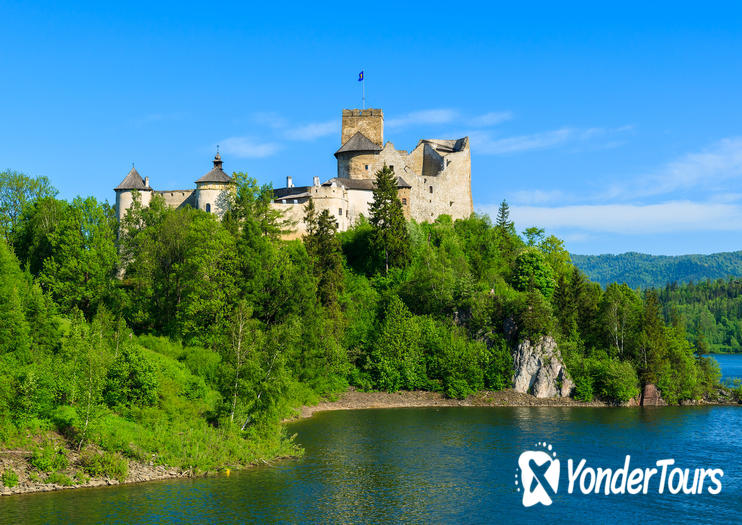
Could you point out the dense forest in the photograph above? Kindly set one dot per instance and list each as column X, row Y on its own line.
column 640, row 270
column 711, row 312
column 183, row 339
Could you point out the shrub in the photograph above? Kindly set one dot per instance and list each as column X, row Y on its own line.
column 131, row 380
column 108, row 465
column 57, row 478
column 10, row 478
column 49, row 458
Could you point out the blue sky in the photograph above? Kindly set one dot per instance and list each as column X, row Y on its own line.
column 616, row 128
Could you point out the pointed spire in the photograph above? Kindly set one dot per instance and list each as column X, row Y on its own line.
column 133, row 181
column 217, row 159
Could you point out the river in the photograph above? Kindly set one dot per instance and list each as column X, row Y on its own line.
column 440, row 465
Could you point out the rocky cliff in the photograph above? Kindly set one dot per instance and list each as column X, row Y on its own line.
column 539, row 369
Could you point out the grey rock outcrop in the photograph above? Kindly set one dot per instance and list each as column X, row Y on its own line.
column 539, row 369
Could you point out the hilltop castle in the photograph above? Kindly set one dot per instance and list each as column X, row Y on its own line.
column 433, row 179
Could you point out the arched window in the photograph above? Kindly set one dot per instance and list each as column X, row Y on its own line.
column 208, row 208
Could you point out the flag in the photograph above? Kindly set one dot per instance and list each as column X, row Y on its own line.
column 360, row 76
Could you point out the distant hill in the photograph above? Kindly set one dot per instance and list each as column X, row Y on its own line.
column 640, row 270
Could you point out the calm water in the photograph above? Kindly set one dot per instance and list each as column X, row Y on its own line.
column 452, row 465
column 448, row 465
column 731, row 365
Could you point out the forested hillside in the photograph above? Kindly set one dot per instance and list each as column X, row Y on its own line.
column 185, row 339
column 710, row 310
column 640, row 270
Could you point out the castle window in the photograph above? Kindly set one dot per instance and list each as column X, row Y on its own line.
column 431, row 189
column 296, row 201
column 404, row 202
column 340, row 212
column 208, row 208
column 366, row 167
column 391, row 167
column 283, row 201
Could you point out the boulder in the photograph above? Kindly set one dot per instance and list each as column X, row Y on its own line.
column 539, row 369
column 651, row 396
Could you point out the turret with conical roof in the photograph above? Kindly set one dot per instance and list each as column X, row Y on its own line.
column 211, row 187
column 133, row 182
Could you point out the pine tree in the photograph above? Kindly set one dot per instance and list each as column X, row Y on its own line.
column 390, row 238
column 324, row 250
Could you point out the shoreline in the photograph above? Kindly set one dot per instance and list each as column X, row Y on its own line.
column 353, row 399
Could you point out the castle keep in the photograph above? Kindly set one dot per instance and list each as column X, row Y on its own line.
column 433, row 179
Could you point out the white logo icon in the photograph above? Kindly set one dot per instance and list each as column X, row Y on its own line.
column 539, row 475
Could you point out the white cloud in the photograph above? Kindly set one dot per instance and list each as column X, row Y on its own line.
column 665, row 217
column 314, row 130
column 706, row 170
column 536, row 196
column 270, row 119
column 485, row 144
column 428, row 116
column 248, row 147
column 490, row 119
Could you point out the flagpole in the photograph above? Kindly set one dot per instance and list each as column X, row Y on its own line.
column 363, row 89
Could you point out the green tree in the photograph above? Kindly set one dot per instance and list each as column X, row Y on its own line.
column 80, row 271
column 323, row 247
column 533, row 272
column 390, row 238
column 396, row 359
column 17, row 191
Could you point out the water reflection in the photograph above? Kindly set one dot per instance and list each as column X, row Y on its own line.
column 447, row 465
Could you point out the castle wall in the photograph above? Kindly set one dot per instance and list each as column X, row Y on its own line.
column 447, row 192
column 294, row 213
column 178, row 198
column 370, row 122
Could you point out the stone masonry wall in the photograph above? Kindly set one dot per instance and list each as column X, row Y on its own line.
column 370, row 122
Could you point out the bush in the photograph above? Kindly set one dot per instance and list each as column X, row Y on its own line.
column 106, row 465
column 10, row 478
column 57, row 478
column 49, row 458
column 583, row 388
column 131, row 380
column 617, row 380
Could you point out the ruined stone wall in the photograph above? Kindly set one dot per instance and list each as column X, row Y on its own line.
column 446, row 192
column 370, row 122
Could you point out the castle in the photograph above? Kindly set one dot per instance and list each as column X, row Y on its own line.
column 433, row 179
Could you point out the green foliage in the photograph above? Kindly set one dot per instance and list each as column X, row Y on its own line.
column 396, row 359
column 711, row 312
column 323, row 248
column 105, row 465
column 640, row 270
column 57, row 478
column 185, row 340
column 17, row 192
column 130, row 380
column 532, row 272
column 389, row 237
column 79, row 270
column 49, row 458
column 9, row 478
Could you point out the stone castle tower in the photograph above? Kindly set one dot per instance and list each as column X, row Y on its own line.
column 205, row 197
column 433, row 179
